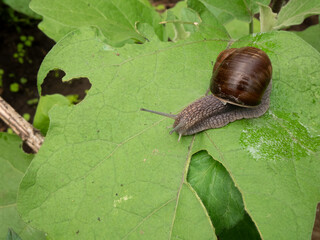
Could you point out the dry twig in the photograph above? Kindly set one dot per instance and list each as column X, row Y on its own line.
column 20, row 126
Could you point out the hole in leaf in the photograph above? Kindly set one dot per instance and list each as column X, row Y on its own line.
column 55, row 92
column 221, row 197
column 26, row 148
column 76, row 88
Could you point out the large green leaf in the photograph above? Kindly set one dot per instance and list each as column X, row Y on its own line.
column 241, row 9
column 107, row 169
column 295, row 11
column 13, row 164
column 97, row 176
column 115, row 18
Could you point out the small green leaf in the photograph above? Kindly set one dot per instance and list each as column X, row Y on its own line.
column 73, row 99
column 268, row 19
column 10, row 131
column 210, row 26
column 14, row 87
column 160, row 7
column 31, row 38
column 23, row 38
column 41, row 119
column 28, row 43
column 32, row 101
column 175, row 26
column 20, row 47
column 26, row 116
column 295, row 11
column 23, row 80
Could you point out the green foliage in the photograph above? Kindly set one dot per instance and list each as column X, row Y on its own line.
column 238, row 29
column 14, row 87
column 10, row 131
column 26, row 116
column 33, row 101
column 21, row 50
column 13, row 164
column 22, row 6
column 41, row 119
column 311, row 35
column 296, row 11
column 23, row 80
column 267, row 17
column 126, row 159
column 108, row 169
column 115, row 19
column 242, row 10
column 293, row 13
column 1, row 73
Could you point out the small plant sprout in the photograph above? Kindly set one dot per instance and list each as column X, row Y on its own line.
column 14, row 87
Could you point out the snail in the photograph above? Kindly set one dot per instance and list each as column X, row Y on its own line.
column 240, row 86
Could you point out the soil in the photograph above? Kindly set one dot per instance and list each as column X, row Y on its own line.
column 25, row 97
column 13, row 26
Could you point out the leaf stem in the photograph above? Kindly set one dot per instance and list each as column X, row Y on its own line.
column 251, row 26
column 179, row 21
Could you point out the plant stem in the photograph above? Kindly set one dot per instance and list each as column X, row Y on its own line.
column 276, row 6
column 251, row 26
column 20, row 126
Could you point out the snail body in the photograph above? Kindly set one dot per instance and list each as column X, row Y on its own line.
column 240, row 86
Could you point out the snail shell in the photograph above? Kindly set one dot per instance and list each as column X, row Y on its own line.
column 241, row 76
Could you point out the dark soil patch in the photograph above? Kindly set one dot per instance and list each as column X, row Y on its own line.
column 11, row 31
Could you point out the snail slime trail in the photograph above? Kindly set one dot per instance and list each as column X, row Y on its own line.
column 240, row 86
